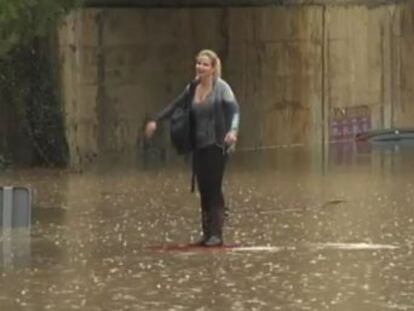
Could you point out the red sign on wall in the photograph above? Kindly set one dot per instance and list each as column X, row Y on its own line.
column 346, row 122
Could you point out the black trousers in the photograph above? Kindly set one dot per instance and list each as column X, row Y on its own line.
column 209, row 168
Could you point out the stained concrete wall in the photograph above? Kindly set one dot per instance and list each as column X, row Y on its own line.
column 291, row 67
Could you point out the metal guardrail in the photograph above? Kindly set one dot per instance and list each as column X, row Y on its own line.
column 15, row 223
column 15, row 207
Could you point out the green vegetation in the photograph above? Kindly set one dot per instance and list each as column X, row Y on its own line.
column 29, row 94
column 22, row 21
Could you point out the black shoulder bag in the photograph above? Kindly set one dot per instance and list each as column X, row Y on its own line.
column 180, row 123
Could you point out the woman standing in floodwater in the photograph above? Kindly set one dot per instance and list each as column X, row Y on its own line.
column 215, row 112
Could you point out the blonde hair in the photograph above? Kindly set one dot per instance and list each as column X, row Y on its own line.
column 215, row 61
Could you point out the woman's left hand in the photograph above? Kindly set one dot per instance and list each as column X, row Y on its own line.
column 231, row 138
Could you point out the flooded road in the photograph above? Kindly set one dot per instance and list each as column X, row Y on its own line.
column 318, row 232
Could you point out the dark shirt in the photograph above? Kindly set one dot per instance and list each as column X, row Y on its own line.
column 203, row 113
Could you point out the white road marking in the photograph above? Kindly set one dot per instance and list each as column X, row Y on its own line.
column 255, row 248
column 353, row 246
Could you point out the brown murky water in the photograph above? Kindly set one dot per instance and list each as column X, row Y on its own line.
column 325, row 233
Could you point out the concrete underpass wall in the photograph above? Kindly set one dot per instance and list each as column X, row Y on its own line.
column 296, row 71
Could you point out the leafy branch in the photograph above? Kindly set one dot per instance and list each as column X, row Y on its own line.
column 28, row 85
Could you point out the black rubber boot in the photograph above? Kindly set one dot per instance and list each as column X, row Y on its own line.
column 215, row 220
column 205, row 228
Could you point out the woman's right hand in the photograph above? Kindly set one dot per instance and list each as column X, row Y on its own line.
column 150, row 129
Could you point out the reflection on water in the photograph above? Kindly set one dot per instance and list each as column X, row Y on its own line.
column 318, row 231
column 15, row 247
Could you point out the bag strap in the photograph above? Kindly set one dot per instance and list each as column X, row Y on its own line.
column 193, row 172
column 191, row 92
